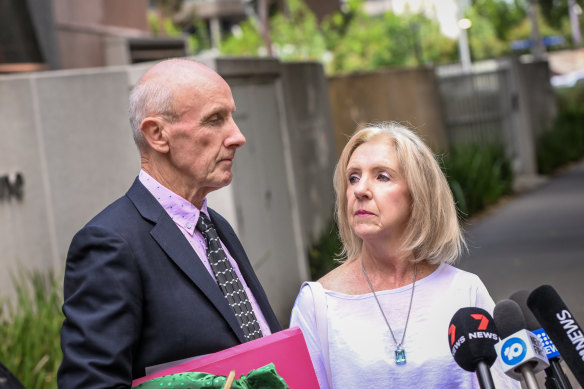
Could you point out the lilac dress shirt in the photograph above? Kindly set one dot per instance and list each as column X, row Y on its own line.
column 186, row 215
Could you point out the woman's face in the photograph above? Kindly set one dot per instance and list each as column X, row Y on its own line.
column 378, row 198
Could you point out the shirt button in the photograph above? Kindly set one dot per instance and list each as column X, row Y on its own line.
column 189, row 226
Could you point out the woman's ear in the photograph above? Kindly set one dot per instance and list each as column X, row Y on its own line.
column 153, row 129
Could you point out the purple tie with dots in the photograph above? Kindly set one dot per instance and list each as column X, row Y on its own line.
column 228, row 281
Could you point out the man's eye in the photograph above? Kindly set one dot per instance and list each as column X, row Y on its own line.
column 353, row 178
column 215, row 119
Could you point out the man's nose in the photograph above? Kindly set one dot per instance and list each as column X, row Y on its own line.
column 236, row 138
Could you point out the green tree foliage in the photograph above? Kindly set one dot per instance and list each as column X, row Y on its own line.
column 483, row 40
column 503, row 15
column 347, row 41
column 360, row 42
column 372, row 43
column 523, row 29
column 245, row 40
column 498, row 22
column 295, row 36
column 435, row 48
column 556, row 12
column 163, row 26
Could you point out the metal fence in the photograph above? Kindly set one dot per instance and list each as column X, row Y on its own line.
column 504, row 101
column 478, row 107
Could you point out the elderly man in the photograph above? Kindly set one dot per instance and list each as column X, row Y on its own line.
column 158, row 276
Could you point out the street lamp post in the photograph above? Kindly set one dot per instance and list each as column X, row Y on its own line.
column 575, row 11
column 463, row 25
column 463, row 46
column 537, row 47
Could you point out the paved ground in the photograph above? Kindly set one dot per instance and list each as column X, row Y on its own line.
column 533, row 239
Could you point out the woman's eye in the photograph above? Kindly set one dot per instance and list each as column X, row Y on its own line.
column 383, row 177
column 353, row 178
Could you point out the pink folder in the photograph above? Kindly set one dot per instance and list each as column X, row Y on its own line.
column 285, row 349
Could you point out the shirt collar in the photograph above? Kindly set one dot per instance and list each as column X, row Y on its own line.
column 182, row 211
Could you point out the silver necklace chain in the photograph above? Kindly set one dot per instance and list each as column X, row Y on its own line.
column 383, row 313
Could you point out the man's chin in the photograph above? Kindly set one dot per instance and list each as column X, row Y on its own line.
column 225, row 180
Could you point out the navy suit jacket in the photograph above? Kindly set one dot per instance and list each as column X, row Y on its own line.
column 137, row 295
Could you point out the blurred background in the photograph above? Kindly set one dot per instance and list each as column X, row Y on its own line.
column 495, row 87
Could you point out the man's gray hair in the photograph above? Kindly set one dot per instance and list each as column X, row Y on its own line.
column 149, row 98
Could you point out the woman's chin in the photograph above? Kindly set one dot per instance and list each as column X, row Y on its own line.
column 366, row 233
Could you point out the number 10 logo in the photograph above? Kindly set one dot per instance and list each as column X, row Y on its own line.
column 514, row 351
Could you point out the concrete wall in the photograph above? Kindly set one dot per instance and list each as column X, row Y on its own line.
column 408, row 95
column 538, row 97
column 67, row 133
column 312, row 143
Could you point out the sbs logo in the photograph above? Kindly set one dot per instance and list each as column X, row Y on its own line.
column 514, row 351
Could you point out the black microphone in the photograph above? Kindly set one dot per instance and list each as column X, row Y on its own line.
column 471, row 336
column 555, row 376
column 560, row 325
column 521, row 352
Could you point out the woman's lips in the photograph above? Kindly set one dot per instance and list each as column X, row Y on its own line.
column 363, row 212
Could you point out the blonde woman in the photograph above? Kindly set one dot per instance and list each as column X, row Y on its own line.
column 388, row 306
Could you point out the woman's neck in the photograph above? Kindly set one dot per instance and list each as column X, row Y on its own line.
column 387, row 270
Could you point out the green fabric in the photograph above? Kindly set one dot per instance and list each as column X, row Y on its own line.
column 262, row 378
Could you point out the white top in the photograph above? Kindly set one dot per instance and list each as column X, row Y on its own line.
column 361, row 348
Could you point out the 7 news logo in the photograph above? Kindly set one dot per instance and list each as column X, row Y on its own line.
column 483, row 324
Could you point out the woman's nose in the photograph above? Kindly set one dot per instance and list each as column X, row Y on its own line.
column 362, row 188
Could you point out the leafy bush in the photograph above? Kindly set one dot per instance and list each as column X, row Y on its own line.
column 478, row 176
column 570, row 98
column 563, row 143
column 321, row 256
column 30, row 329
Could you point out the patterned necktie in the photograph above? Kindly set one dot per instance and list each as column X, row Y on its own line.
column 228, row 281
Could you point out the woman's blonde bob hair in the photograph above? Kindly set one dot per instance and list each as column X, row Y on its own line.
column 433, row 232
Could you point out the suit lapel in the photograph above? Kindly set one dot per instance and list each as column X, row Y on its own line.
column 178, row 249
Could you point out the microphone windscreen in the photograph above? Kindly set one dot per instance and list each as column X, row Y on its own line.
column 508, row 317
column 560, row 325
column 533, row 325
column 520, row 297
column 472, row 335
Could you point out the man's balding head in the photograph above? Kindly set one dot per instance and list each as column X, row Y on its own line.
column 154, row 93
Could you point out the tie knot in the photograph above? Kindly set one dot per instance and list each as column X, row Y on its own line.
column 204, row 224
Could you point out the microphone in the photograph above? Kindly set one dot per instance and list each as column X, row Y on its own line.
column 555, row 376
column 471, row 336
column 560, row 325
column 521, row 352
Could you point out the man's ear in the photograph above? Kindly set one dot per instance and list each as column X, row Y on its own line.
column 153, row 129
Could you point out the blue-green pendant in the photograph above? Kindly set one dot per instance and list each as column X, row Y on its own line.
column 400, row 356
